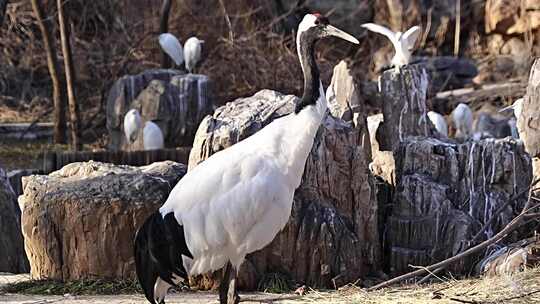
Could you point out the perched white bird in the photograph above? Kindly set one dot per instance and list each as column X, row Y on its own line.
column 170, row 45
column 132, row 125
column 517, row 107
column 463, row 120
column 439, row 122
column 237, row 200
column 152, row 136
column 192, row 53
column 403, row 42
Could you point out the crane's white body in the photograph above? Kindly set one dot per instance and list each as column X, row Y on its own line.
column 236, row 201
column 152, row 136
column 403, row 42
column 172, row 47
column 439, row 122
column 132, row 125
column 192, row 53
column 463, row 121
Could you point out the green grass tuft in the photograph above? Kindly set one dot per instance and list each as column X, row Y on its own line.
column 81, row 287
column 275, row 283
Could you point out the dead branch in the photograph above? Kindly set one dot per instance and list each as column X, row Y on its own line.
column 517, row 222
column 3, row 6
column 164, row 28
column 228, row 20
column 59, row 95
column 70, row 76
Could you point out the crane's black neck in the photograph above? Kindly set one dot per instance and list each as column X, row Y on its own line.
column 306, row 52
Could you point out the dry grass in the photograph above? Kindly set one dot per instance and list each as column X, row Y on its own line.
column 519, row 288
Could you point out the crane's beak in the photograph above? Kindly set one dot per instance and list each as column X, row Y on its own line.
column 334, row 31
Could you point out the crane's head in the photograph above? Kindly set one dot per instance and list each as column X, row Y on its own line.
column 316, row 26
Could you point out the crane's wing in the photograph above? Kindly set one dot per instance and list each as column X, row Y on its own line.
column 233, row 198
column 170, row 45
column 410, row 36
column 381, row 30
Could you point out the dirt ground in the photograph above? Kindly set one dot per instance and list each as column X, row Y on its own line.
column 185, row 297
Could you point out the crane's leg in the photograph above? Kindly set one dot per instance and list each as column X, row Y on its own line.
column 227, row 289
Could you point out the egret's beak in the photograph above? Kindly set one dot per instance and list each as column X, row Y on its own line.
column 334, row 31
column 510, row 107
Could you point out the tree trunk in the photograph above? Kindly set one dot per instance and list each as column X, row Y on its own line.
column 529, row 119
column 164, row 28
column 70, row 77
column 59, row 94
column 3, row 6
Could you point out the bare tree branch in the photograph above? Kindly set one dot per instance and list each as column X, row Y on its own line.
column 70, row 76
column 59, row 95
column 164, row 28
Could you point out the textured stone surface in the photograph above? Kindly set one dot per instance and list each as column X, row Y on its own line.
column 79, row 222
column 511, row 259
column 529, row 121
column 345, row 102
column 405, row 114
column 383, row 164
column 13, row 259
column 445, row 192
column 176, row 102
column 511, row 16
column 332, row 232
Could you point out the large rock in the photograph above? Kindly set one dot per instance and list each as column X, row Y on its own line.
column 512, row 17
column 80, row 222
column 11, row 240
column 332, row 233
column 345, row 102
column 529, row 121
column 176, row 102
column 445, row 192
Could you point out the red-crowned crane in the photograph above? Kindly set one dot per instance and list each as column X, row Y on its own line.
column 403, row 42
column 172, row 47
column 516, row 107
column 237, row 200
column 192, row 53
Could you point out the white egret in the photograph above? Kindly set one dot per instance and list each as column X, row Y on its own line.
column 403, row 42
column 237, row 200
column 463, row 121
column 192, row 53
column 132, row 125
column 152, row 136
column 439, row 122
column 172, row 47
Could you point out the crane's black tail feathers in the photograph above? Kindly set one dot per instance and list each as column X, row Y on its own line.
column 159, row 246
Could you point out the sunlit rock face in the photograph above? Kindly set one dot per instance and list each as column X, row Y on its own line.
column 445, row 193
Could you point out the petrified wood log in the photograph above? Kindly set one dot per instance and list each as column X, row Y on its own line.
column 80, row 222
column 445, row 192
column 528, row 122
column 404, row 94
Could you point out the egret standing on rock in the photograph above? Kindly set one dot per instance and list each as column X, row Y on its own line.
column 132, row 125
column 237, row 200
column 463, row 120
column 172, row 47
column 152, row 136
column 192, row 53
column 403, row 42
column 439, row 122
